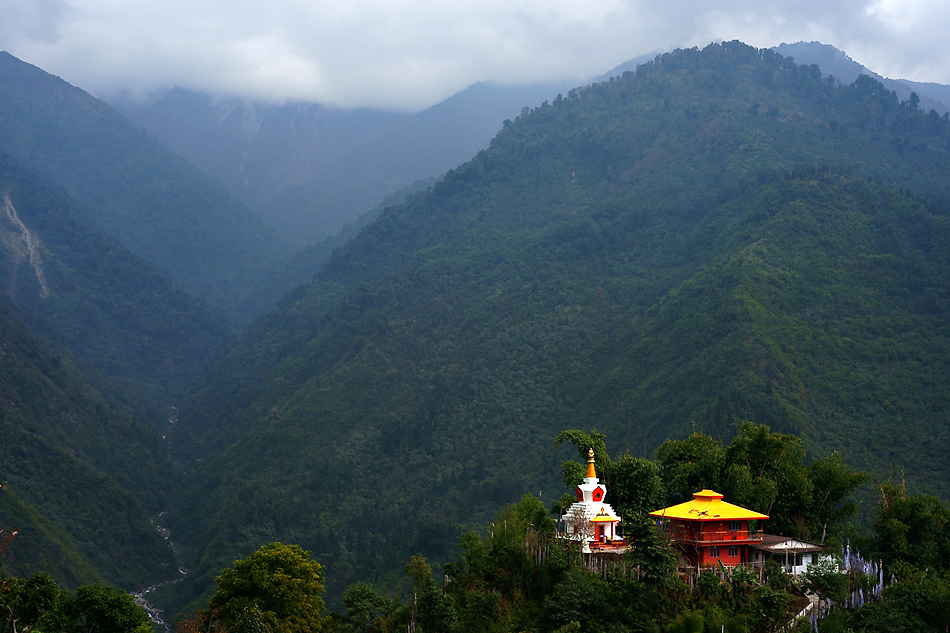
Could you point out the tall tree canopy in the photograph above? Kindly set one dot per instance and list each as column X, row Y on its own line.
column 278, row 584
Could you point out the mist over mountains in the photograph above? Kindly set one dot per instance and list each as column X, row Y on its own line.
column 712, row 236
column 153, row 201
column 308, row 170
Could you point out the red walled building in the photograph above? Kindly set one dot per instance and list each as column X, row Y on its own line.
column 709, row 531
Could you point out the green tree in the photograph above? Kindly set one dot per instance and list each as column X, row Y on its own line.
column 586, row 441
column 686, row 623
column 278, row 586
column 921, row 603
column 578, row 597
column 652, row 554
column 911, row 529
column 574, row 472
column 690, row 465
column 432, row 612
column 766, row 472
column 23, row 601
column 367, row 611
column 99, row 608
column 832, row 482
column 824, row 579
column 635, row 487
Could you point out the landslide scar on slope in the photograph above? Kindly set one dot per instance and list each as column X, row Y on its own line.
column 22, row 245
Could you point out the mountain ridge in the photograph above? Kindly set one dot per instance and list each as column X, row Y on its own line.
column 837, row 63
column 153, row 201
column 533, row 288
column 308, row 169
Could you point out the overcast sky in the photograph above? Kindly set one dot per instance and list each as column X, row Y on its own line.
column 409, row 54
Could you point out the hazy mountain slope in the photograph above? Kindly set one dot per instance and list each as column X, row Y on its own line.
column 305, row 263
column 309, row 169
column 837, row 63
column 105, row 307
column 940, row 92
column 153, row 201
column 69, row 462
column 581, row 272
column 254, row 149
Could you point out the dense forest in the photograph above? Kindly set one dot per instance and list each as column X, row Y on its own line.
column 80, row 478
column 519, row 574
column 109, row 310
column 151, row 200
column 722, row 235
column 730, row 264
column 95, row 344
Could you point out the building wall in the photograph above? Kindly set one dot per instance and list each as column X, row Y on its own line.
column 729, row 555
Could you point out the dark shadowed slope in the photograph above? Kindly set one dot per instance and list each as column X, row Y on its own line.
column 97, row 302
column 80, row 478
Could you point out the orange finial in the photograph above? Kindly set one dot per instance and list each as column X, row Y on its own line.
column 591, row 473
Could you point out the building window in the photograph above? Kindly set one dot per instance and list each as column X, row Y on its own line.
column 714, row 552
column 735, row 526
column 733, row 551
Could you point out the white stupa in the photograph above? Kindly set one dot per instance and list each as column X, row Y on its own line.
column 591, row 520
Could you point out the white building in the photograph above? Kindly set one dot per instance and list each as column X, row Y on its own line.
column 794, row 554
column 592, row 520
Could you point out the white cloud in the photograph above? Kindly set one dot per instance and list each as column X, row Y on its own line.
column 409, row 53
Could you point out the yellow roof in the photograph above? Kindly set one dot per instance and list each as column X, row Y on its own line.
column 707, row 505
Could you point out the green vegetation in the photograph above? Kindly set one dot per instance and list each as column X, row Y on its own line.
column 37, row 604
column 517, row 575
column 722, row 259
column 77, row 474
column 278, row 583
column 152, row 201
column 764, row 471
column 106, row 309
column 278, row 589
column 720, row 236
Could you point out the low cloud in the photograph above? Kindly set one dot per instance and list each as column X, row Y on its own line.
column 408, row 54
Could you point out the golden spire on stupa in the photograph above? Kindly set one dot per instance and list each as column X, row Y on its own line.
column 591, row 473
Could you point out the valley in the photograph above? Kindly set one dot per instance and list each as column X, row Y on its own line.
column 706, row 240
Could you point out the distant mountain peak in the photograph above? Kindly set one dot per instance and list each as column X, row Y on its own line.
column 844, row 69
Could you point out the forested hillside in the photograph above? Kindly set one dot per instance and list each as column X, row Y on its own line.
column 722, row 235
column 845, row 70
column 98, row 303
column 79, row 478
column 151, row 200
column 96, row 348
column 308, row 169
